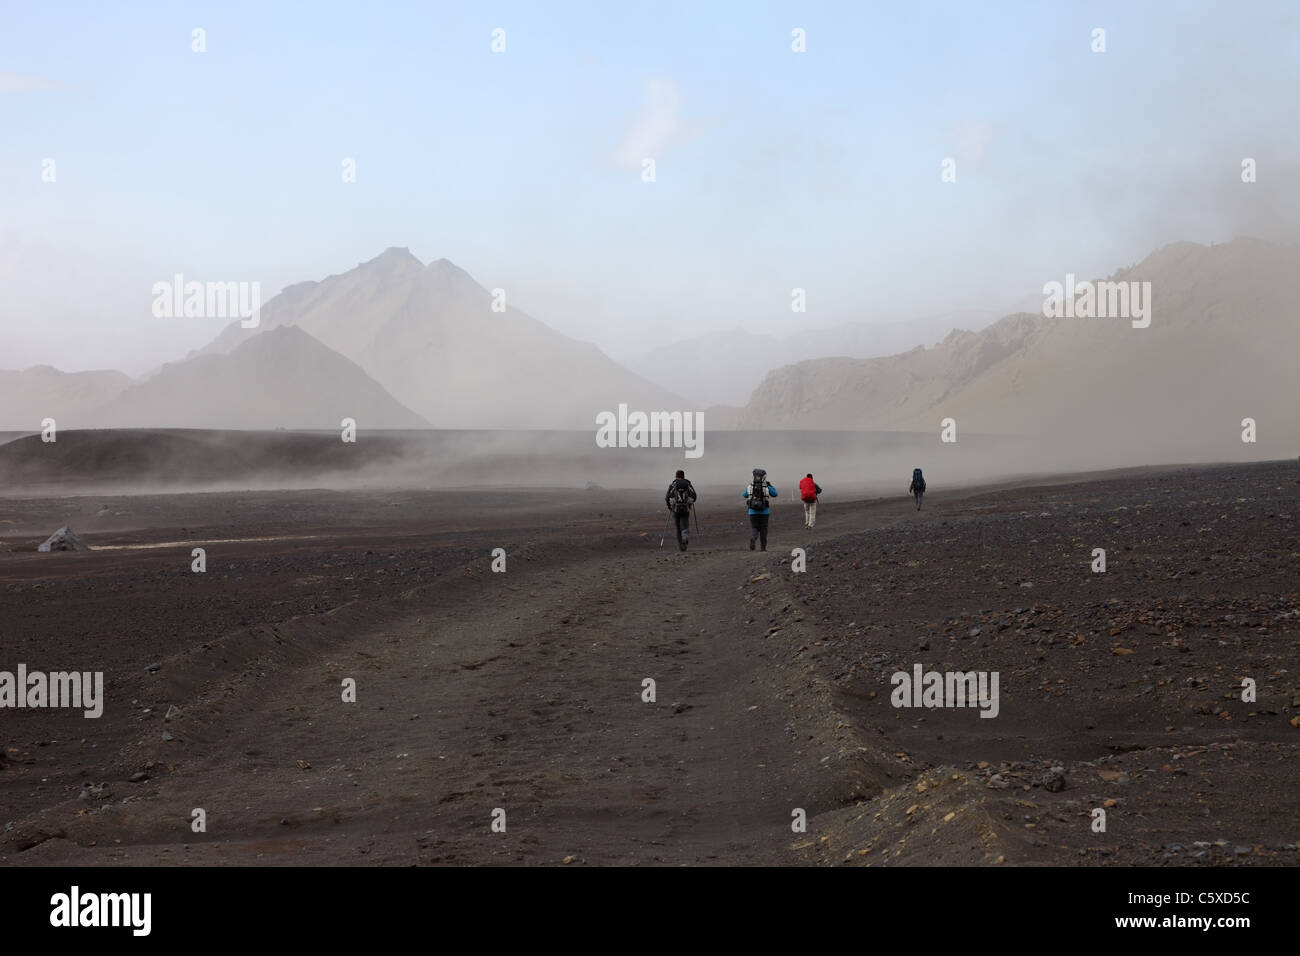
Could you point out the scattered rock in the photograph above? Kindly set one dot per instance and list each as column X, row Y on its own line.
column 65, row 539
column 1053, row 780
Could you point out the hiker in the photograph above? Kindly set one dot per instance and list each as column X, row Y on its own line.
column 809, row 490
column 757, row 493
column 679, row 499
column 917, row 487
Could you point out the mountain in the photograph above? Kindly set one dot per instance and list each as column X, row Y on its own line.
column 716, row 368
column 871, row 340
column 430, row 336
column 34, row 394
column 882, row 393
column 281, row 378
column 724, row 368
column 1221, row 347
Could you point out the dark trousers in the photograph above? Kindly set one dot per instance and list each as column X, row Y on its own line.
column 683, row 521
column 918, row 499
column 758, row 528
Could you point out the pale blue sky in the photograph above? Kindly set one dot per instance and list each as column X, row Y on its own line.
column 774, row 169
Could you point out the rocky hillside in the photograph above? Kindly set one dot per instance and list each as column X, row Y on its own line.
column 1221, row 347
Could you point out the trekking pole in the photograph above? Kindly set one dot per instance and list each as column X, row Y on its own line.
column 665, row 534
column 696, row 517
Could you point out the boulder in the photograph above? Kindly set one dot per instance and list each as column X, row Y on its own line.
column 65, row 539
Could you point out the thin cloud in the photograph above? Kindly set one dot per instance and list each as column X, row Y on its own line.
column 24, row 83
column 658, row 126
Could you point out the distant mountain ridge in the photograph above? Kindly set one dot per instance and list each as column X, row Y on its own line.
column 724, row 368
column 431, row 336
column 1221, row 347
column 29, row 396
column 281, row 378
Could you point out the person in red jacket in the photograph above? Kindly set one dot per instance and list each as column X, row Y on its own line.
column 808, row 491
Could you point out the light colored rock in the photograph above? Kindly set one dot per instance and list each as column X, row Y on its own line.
column 65, row 539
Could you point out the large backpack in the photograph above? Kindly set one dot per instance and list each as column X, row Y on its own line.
column 808, row 490
column 680, row 497
column 758, row 491
column 918, row 482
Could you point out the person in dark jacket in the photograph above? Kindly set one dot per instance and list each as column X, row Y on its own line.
column 680, row 497
column 917, row 487
column 757, row 493
column 809, row 492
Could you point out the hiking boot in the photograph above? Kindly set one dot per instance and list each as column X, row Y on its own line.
column 682, row 545
column 763, row 548
column 751, row 544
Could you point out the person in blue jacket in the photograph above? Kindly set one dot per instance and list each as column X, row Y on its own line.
column 757, row 493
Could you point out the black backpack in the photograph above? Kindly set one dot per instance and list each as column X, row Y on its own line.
column 918, row 482
column 680, row 497
column 758, row 491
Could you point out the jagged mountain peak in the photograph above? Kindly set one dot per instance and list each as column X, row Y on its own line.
column 430, row 336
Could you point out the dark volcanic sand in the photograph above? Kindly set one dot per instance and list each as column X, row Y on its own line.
column 522, row 690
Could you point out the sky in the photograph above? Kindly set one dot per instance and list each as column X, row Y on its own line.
column 774, row 169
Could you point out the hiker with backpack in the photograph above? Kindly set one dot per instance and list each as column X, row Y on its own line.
column 679, row 499
column 809, row 491
column 757, row 493
column 917, row 487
